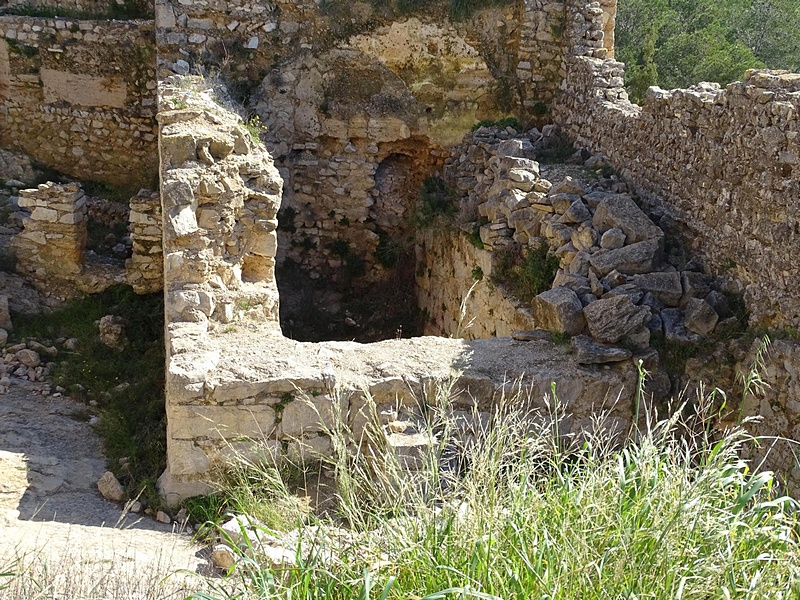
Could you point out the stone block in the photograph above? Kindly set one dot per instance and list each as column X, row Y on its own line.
column 559, row 310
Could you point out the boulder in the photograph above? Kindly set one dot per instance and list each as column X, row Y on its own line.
column 695, row 285
column 674, row 327
column 700, row 317
column 112, row 332
column 613, row 239
column 576, row 213
column 611, row 319
column 641, row 257
column 558, row 310
column 621, row 212
column 588, row 352
column 631, row 290
column 577, row 283
column 666, row 287
column 568, row 186
column 110, row 488
column 29, row 358
column 719, row 302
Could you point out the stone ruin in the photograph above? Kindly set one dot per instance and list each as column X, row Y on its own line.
column 673, row 206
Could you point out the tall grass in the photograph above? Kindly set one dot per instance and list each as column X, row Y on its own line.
column 512, row 509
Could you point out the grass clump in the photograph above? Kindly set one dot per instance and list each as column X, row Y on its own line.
column 126, row 385
column 512, row 122
column 525, row 273
column 437, row 199
column 512, row 509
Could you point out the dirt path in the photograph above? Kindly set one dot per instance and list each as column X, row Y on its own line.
column 60, row 537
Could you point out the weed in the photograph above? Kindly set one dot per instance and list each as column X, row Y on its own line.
column 525, row 273
column 474, row 236
column 437, row 199
column 512, row 122
column 256, row 128
column 477, row 273
column 389, row 251
column 531, row 512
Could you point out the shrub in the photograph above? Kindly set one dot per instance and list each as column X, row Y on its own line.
column 525, row 273
column 437, row 199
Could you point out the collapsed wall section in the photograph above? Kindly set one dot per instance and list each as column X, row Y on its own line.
column 80, row 96
column 724, row 164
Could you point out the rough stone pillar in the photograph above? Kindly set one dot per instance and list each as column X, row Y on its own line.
column 609, row 24
column 144, row 270
column 53, row 242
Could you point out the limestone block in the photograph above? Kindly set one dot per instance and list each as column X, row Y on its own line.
column 186, row 458
column 191, row 422
column 611, row 319
column 665, row 287
column 622, row 213
column 558, row 309
column 641, row 257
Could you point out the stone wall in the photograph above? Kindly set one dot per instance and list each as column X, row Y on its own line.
column 721, row 163
column 449, row 265
column 233, row 379
column 350, row 92
column 88, row 9
column 91, row 86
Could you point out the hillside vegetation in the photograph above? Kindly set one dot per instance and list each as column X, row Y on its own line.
column 677, row 43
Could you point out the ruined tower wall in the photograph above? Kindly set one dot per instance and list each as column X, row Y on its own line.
column 80, row 96
column 722, row 163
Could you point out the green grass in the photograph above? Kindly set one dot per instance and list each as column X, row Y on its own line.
column 512, row 122
column 437, row 199
column 672, row 513
column 525, row 274
column 128, row 386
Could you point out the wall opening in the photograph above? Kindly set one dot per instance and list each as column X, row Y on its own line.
column 371, row 294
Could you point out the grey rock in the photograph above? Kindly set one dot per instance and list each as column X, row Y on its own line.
column 577, row 283
column 655, row 324
column 580, row 265
column 612, row 239
column 639, row 339
column 631, row 290
column 29, row 358
column 110, row 488
column 3, row 337
column 700, row 318
column 614, row 279
column 535, row 335
column 641, row 257
column 568, row 186
column 719, row 302
column 695, row 285
column 588, row 352
column 516, row 147
column 112, row 332
column 622, row 213
column 611, row 319
column 656, row 306
column 562, row 202
column 163, row 517
column 666, row 287
column 674, row 328
column 595, row 284
column 558, row 310
column 576, row 213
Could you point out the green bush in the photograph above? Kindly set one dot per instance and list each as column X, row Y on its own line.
column 437, row 199
column 525, row 273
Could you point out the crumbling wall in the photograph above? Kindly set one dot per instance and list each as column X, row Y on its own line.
column 343, row 87
column 51, row 250
column 722, row 163
column 232, row 378
column 94, row 9
column 80, row 96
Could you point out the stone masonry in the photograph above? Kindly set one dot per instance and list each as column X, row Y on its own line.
column 144, row 270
